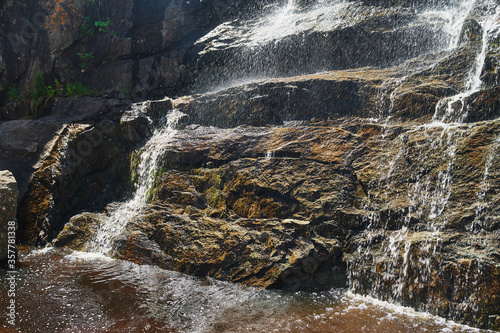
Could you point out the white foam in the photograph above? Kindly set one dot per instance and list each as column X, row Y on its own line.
column 90, row 256
column 368, row 301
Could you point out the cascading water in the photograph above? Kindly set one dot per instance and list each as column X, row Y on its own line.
column 298, row 39
column 123, row 213
column 407, row 239
column 480, row 217
column 454, row 108
column 408, row 245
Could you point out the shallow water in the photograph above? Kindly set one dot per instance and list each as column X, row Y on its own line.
column 62, row 291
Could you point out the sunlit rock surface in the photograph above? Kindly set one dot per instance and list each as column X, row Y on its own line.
column 237, row 204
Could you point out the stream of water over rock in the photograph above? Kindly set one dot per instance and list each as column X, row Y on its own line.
column 408, row 247
column 146, row 170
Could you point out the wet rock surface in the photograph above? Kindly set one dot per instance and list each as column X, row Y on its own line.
column 260, row 205
column 261, row 253
column 337, row 36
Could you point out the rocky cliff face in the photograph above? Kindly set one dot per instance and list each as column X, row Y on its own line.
column 120, row 48
column 361, row 152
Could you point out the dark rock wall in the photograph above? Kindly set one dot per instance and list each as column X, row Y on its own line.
column 142, row 48
column 84, row 167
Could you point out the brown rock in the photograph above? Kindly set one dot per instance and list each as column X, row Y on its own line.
column 262, row 253
column 79, row 231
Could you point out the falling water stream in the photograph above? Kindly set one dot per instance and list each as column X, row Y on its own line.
column 454, row 108
column 63, row 291
column 428, row 195
column 150, row 156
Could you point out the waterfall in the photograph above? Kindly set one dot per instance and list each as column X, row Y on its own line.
column 457, row 21
column 150, row 159
column 480, row 217
column 454, row 108
column 403, row 175
column 390, row 253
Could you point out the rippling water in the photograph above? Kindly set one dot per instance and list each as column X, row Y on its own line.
column 62, row 291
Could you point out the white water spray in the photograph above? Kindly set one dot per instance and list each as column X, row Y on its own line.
column 150, row 156
column 454, row 108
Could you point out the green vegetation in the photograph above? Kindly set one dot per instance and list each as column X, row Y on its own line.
column 57, row 84
column 77, row 89
column 152, row 192
column 125, row 90
column 39, row 92
column 135, row 160
column 84, row 57
column 13, row 94
column 105, row 26
column 86, row 29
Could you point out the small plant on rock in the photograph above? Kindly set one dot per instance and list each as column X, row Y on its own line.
column 103, row 26
column 84, row 57
column 86, row 29
column 13, row 94
column 77, row 89
column 41, row 89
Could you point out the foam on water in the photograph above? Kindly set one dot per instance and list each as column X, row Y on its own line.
column 363, row 302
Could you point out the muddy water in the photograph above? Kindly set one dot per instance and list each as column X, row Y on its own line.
column 62, row 291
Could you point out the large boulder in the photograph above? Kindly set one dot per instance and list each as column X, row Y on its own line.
column 78, row 231
column 385, row 204
column 8, row 210
column 268, row 253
